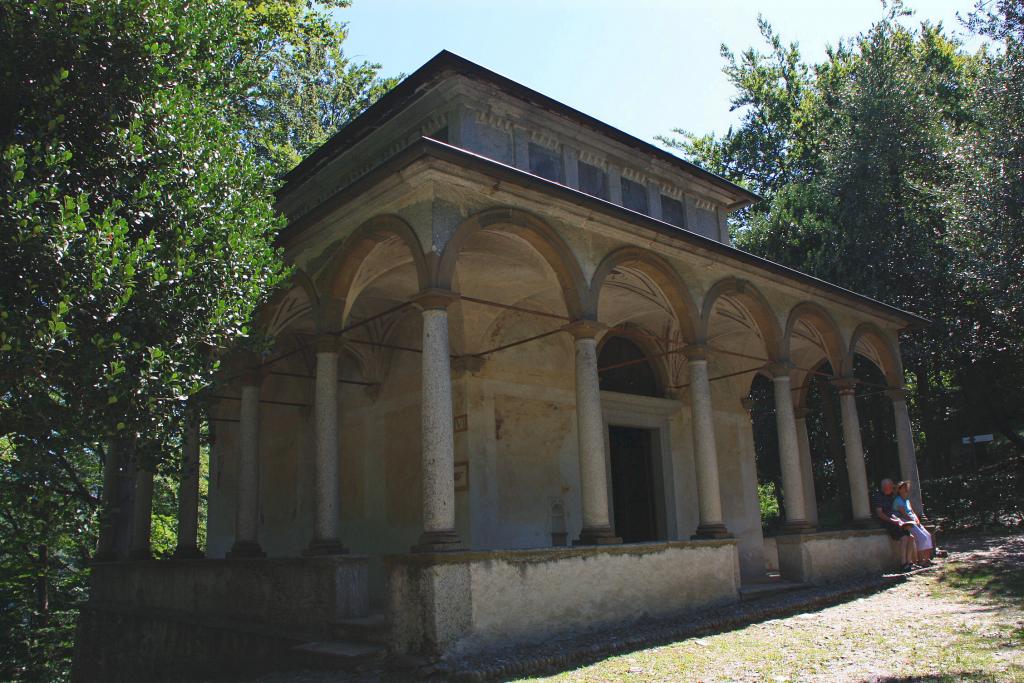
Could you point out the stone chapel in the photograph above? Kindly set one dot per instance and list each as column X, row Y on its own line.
column 505, row 400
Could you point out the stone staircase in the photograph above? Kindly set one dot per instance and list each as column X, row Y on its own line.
column 770, row 587
column 355, row 641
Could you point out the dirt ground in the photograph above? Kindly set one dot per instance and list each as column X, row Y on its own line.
column 963, row 621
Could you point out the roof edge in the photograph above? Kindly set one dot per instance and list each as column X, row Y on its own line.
column 428, row 147
column 408, row 90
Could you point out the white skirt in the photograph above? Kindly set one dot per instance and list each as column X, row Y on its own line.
column 922, row 538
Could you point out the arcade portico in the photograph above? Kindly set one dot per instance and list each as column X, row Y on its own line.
column 507, row 383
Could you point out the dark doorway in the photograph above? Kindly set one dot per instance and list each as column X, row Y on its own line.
column 633, row 484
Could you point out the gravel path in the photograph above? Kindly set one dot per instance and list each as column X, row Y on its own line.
column 961, row 622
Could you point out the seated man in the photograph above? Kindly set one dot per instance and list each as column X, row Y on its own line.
column 881, row 504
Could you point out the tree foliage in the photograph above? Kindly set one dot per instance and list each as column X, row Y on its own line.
column 139, row 145
column 894, row 168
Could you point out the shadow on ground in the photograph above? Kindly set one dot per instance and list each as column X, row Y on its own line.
column 989, row 574
column 969, row 676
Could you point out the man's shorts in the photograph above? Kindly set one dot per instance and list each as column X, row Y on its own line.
column 896, row 532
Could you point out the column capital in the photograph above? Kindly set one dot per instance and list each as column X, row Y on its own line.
column 327, row 343
column 433, row 299
column 471, row 364
column 779, row 368
column 845, row 385
column 246, row 368
column 897, row 393
column 252, row 377
column 695, row 352
column 329, row 313
column 585, row 329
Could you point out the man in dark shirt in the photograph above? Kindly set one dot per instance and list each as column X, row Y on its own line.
column 881, row 504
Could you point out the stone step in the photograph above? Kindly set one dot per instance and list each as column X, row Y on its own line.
column 372, row 628
column 335, row 654
column 767, row 589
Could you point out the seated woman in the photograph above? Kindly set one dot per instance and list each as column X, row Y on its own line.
column 902, row 508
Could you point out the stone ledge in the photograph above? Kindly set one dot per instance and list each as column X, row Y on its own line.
column 214, row 563
column 826, row 535
column 539, row 555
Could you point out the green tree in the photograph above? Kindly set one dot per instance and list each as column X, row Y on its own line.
column 987, row 229
column 139, row 145
column 305, row 89
column 856, row 157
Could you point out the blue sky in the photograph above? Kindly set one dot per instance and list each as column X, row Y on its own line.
column 645, row 66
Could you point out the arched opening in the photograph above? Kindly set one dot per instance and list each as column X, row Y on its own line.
column 651, row 318
column 877, row 427
column 519, row 286
column 766, row 453
column 827, row 450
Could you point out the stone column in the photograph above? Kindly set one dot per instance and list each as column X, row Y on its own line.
column 142, row 515
column 789, row 451
column 806, row 466
column 247, row 503
column 855, row 469
column 327, row 514
column 905, row 444
column 188, row 493
column 597, row 529
column 106, row 547
column 437, row 429
column 705, row 452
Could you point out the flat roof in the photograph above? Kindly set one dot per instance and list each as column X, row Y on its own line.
column 429, row 148
column 445, row 62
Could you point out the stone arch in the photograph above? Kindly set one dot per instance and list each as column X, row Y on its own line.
column 289, row 304
column 755, row 304
column 661, row 273
column 338, row 275
column 830, row 340
column 536, row 232
column 869, row 341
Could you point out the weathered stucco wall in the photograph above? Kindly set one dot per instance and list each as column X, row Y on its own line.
column 835, row 555
column 446, row 604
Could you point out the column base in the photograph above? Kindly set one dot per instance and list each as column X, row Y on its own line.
column 324, row 546
column 105, row 557
column 797, row 526
column 602, row 535
column 188, row 552
column 710, row 531
column 245, row 549
column 438, row 542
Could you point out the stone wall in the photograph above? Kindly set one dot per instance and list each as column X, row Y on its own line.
column 158, row 619
column 834, row 555
column 453, row 603
column 305, row 593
